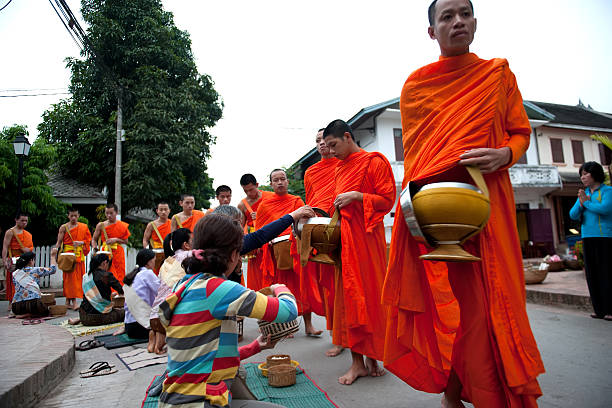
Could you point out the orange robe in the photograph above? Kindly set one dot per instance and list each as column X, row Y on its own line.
column 73, row 281
column 271, row 209
column 448, row 107
column 15, row 250
column 359, row 316
column 254, row 271
column 190, row 222
column 320, row 193
column 117, row 230
column 158, row 243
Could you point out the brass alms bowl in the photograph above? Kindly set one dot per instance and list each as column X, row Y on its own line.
column 444, row 215
column 324, row 237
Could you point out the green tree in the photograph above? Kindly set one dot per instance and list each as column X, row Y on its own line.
column 607, row 142
column 167, row 107
column 45, row 211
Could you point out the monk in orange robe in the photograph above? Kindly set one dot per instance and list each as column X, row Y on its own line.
column 320, row 188
column 74, row 237
column 365, row 193
column 155, row 233
column 109, row 236
column 462, row 328
column 249, row 206
column 273, row 207
column 16, row 242
column 189, row 217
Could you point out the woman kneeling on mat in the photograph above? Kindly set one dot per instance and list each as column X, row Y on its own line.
column 97, row 308
column 140, row 288
column 26, row 302
column 200, row 320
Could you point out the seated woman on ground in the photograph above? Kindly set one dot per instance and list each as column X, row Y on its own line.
column 177, row 246
column 27, row 302
column 96, row 308
column 140, row 288
column 201, row 314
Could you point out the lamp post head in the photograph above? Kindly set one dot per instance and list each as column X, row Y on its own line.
column 21, row 145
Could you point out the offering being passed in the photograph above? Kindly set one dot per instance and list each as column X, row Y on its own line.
column 321, row 233
column 276, row 331
column 281, row 247
column 444, row 215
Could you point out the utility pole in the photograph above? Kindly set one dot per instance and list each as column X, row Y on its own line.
column 118, row 157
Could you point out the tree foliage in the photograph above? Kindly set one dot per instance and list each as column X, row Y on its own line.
column 44, row 210
column 167, row 107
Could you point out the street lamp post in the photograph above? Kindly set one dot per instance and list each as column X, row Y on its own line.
column 22, row 149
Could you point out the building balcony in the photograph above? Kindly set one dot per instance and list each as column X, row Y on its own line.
column 541, row 177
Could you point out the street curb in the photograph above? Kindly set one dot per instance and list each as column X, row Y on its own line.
column 579, row 302
column 34, row 388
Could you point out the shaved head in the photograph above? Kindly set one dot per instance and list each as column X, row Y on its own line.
column 431, row 12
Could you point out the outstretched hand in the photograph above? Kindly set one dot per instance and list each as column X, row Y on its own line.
column 265, row 343
column 305, row 211
column 487, row 159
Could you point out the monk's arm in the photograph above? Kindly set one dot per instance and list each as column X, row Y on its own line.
column 96, row 236
column 146, row 236
column 242, row 209
column 60, row 236
column 173, row 224
column 5, row 244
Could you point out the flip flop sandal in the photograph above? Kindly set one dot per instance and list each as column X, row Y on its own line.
column 89, row 344
column 29, row 322
column 97, row 365
column 104, row 369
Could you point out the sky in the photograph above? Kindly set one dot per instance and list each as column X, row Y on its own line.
column 285, row 69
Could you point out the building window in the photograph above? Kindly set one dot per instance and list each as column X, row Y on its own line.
column 399, row 146
column 605, row 155
column 523, row 159
column 578, row 151
column 556, row 146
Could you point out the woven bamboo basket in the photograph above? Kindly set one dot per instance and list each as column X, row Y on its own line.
column 534, row 275
column 263, row 367
column 118, row 302
column 47, row 299
column 572, row 264
column 278, row 359
column 281, row 375
column 278, row 331
column 555, row 266
column 58, row 310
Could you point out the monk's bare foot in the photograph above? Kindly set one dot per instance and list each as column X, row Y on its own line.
column 448, row 403
column 373, row 368
column 312, row 332
column 334, row 351
column 151, row 344
column 352, row 374
column 120, row 331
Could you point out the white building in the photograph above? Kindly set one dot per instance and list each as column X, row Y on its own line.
column 545, row 181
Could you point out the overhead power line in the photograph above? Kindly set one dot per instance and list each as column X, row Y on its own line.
column 40, row 94
column 3, row 7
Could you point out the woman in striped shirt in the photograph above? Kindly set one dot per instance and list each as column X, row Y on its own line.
column 200, row 320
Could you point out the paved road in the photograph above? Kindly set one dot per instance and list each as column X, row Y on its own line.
column 576, row 351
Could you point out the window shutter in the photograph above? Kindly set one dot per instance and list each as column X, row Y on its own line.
column 556, row 146
column 578, row 151
column 399, row 146
column 605, row 155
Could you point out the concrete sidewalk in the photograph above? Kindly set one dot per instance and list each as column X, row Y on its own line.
column 566, row 289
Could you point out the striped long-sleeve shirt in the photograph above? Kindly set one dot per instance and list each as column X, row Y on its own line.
column 202, row 336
